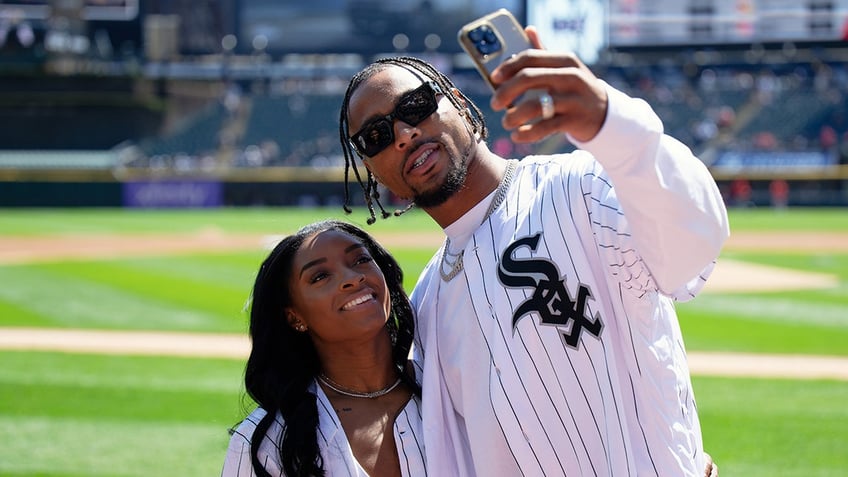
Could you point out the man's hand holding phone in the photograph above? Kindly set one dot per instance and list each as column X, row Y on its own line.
column 542, row 92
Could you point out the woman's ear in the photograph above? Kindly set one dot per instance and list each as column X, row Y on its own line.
column 295, row 322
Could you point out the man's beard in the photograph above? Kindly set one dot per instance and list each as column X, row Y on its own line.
column 453, row 183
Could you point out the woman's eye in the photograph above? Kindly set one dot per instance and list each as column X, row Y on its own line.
column 317, row 277
column 364, row 259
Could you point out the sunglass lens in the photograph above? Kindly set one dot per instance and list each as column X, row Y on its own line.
column 377, row 137
column 417, row 106
column 413, row 107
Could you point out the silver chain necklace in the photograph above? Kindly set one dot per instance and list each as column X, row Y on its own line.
column 500, row 194
column 350, row 392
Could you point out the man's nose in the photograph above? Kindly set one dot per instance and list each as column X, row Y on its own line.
column 405, row 134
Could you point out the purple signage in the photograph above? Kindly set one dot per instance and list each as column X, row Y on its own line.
column 173, row 194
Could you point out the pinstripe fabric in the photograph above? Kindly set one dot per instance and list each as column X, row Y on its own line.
column 604, row 393
column 332, row 441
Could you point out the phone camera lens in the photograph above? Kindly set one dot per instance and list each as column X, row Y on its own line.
column 485, row 40
column 476, row 35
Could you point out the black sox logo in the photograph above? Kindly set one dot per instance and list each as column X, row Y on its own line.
column 551, row 299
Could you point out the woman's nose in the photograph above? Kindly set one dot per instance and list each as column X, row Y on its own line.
column 353, row 277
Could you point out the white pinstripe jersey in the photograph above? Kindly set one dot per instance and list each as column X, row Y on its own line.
column 333, row 444
column 556, row 351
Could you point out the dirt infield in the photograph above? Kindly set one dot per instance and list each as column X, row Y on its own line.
column 729, row 276
column 231, row 346
column 14, row 250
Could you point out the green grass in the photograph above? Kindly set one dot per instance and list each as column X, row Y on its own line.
column 91, row 415
column 758, row 427
column 196, row 293
column 24, row 221
column 141, row 416
column 805, row 322
column 185, row 293
column 234, row 220
column 797, row 219
column 79, row 415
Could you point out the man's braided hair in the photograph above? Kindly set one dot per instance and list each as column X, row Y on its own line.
column 418, row 67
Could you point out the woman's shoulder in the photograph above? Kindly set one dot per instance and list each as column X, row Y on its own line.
column 239, row 460
column 245, row 428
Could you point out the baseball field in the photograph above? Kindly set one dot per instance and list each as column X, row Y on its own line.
column 123, row 337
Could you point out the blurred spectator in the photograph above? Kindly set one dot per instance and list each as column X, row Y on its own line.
column 765, row 141
column 740, row 193
column 843, row 149
column 827, row 137
column 779, row 193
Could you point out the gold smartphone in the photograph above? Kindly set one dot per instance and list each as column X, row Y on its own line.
column 491, row 40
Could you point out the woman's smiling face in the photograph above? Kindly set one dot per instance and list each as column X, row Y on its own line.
column 338, row 290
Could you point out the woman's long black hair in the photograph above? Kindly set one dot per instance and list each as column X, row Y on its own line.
column 283, row 362
column 420, row 68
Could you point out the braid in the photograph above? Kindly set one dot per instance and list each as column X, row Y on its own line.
column 406, row 209
column 350, row 156
column 418, row 67
column 369, row 184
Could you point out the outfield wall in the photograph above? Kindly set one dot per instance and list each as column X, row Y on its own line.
column 293, row 186
column 266, row 187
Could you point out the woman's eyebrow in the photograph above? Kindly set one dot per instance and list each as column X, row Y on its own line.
column 311, row 264
column 319, row 261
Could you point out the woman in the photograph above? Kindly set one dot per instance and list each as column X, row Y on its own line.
column 331, row 328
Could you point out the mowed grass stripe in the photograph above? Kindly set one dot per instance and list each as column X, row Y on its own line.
column 706, row 331
column 80, row 295
column 803, row 219
column 129, row 373
column 753, row 427
column 819, row 262
column 814, row 309
column 200, row 292
column 759, row 427
column 804, row 322
column 116, row 415
column 271, row 220
column 75, row 447
column 280, row 220
column 207, row 282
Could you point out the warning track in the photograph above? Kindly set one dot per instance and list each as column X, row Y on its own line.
column 728, row 277
column 234, row 346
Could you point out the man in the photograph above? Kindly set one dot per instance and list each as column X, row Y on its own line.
column 546, row 321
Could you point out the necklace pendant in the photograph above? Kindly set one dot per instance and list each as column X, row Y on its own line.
column 455, row 267
column 500, row 194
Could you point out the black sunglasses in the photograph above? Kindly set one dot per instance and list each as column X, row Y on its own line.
column 412, row 108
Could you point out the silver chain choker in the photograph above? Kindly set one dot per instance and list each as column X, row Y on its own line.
column 349, row 392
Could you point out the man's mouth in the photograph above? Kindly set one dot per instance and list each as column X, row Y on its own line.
column 421, row 155
column 422, row 158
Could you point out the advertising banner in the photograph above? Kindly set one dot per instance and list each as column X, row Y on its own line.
column 173, row 193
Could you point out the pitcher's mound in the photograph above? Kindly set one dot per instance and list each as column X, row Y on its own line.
column 731, row 276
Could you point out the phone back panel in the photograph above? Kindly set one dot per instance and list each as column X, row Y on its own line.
column 510, row 37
